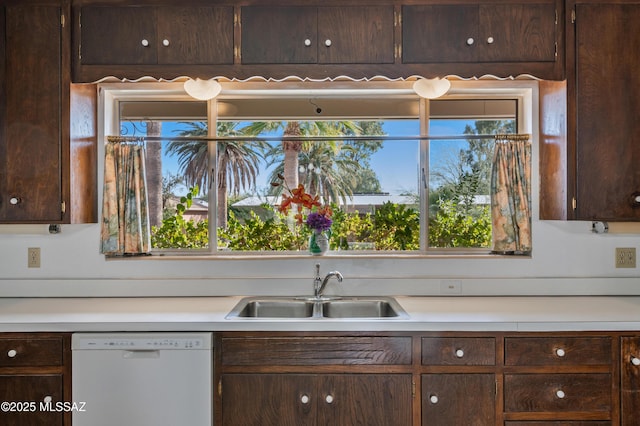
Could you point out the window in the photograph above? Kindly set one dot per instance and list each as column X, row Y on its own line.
column 360, row 151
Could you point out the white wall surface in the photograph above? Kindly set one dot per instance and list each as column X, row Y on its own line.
column 568, row 259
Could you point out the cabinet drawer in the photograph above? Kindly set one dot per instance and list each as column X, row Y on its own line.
column 316, row 350
column 556, row 351
column 30, row 352
column 557, row 392
column 559, row 423
column 458, row 351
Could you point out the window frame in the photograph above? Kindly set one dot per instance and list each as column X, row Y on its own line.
column 524, row 91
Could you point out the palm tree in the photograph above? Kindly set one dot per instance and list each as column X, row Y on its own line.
column 292, row 147
column 237, row 168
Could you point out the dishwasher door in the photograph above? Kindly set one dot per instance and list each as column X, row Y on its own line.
column 142, row 379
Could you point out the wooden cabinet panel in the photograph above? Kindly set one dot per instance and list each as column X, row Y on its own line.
column 308, row 399
column 558, row 351
column 32, row 388
column 630, row 380
column 316, row 350
column 268, row 399
column 557, row 393
column 458, row 351
column 513, row 32
column 365, row 399
column 559, row 423
column 308, row 35
column 156, row 35
column 31, row 352
column 33, row 99
column 605, row 103
column 456, row 399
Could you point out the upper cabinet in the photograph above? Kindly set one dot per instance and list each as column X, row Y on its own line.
column 131, row 37
column 603, row 104
column 325, row 35
column 34, row 103
column 505, row 34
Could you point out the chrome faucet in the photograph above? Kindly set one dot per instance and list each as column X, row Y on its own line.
column 319, row 284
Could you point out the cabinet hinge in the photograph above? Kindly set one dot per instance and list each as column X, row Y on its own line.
column 556, row 52
column 574, row 203
column 397, row 51
column 397, row 19
column 62, row 20
column 573, row 16
column 413, row 388
column 220, row 387
column 63, row 207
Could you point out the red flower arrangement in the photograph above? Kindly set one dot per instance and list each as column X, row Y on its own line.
column 319, row 217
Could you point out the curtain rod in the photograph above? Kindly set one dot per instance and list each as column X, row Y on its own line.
column 308, row 138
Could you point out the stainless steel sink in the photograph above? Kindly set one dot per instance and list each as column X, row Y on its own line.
column 311, row 308
column 363, row 308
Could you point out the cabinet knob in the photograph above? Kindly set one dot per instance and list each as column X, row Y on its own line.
column 47, row 399
column 433, row 399
column 14, row 201
column 328, row 399
column 470, row 41
column 459, row 353
column 304, row 399
column 12, row 353
column 490, row 40
column 635, row 361
column 165, row 42
column 635, row 199
column 560, row 394
column 560, row 352
column 145, row 42
column 327, row 42
column 307, row 42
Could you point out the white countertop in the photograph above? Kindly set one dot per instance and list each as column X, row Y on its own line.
column 425, row 314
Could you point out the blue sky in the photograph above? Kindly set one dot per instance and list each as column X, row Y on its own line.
column 396, row 163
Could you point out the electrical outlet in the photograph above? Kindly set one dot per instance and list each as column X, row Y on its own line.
column 625, row 257
column 33, row 257
column 450, row 286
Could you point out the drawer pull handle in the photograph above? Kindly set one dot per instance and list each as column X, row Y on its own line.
column 433, row 399
column 459, row 353
column 560, row 352
column 328, row 399
column 304, row 399
column 12, row 353
column 635, row 361
column 560, row 394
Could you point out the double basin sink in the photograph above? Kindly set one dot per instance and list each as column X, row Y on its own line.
column 318, row 308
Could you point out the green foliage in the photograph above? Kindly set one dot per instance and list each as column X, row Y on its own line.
column 257, row 234
column 454, row 227
column 176, row 232
column 396, row 227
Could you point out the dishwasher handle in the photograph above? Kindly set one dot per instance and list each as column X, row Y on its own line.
column 141, row 354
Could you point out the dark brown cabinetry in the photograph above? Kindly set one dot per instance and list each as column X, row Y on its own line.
column 35, row 374
column 630, row 380
column 309, row 35
column 156, row 35
column 34, row 104
column 603, row 105
column 315, row 379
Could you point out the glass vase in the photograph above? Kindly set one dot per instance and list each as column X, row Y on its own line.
column 319, row 242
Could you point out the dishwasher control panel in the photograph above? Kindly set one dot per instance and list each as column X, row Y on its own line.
column 146, row 341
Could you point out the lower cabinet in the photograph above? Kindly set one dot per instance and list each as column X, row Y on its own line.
column 35, row 378
column 630, row 380
column 309, row 399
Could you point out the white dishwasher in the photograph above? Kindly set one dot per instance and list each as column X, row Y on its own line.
column 142, row 379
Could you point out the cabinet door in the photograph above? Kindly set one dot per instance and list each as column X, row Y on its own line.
column 458, row 399
column 607, row 101
column 29, row 389
column 268, row 399
column 350, row 35
column 279, row 35
column 30, row 116
column 439, row 33
column 517, row 33
column 195, row 35
column 118, row 35
column 364, row 399
column 630, row 382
